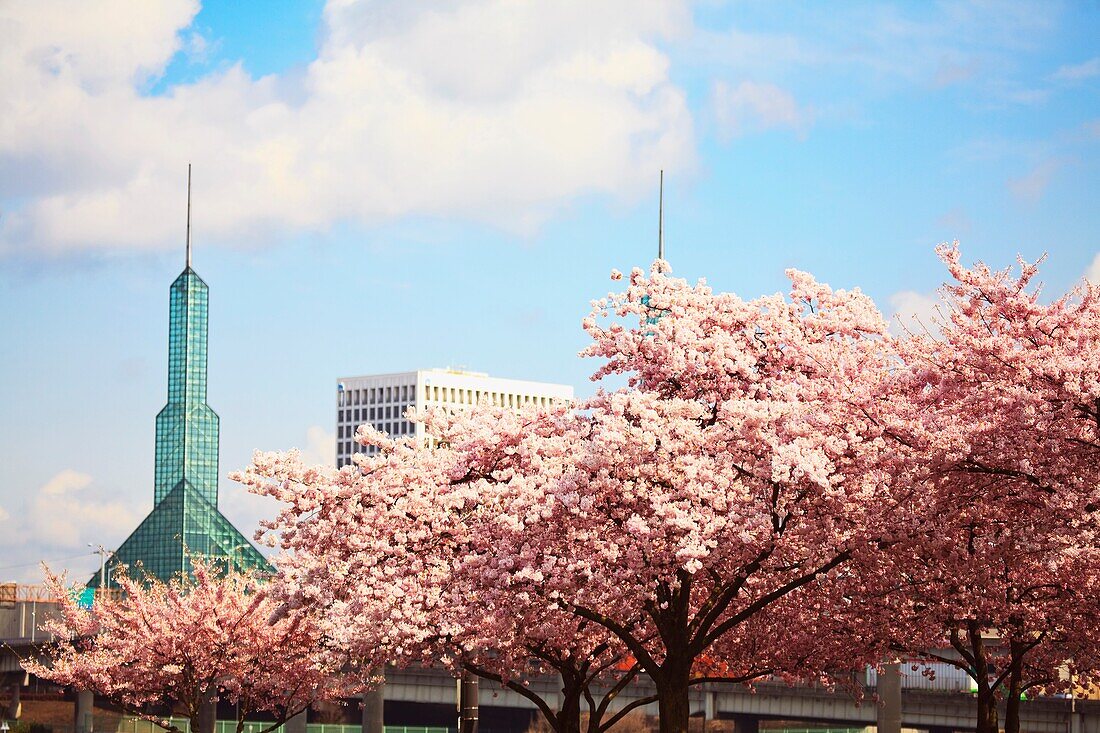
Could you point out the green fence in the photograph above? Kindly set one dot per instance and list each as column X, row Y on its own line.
column 137, row 725
column 813, row 730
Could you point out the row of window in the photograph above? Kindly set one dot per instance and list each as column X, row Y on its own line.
column 350, row 448
column 463, row 396
column 406, row 393
column 403, row 427
column 373, row 395
column 365, row 414
column 344, row 459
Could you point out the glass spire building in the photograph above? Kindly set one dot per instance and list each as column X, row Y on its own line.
column 185, row 521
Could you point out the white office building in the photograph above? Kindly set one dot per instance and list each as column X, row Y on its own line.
column 383, row 399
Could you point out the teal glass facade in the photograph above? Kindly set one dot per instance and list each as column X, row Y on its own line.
column 187, row 429
column 185, row 521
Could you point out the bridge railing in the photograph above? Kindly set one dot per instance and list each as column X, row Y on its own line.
column 933, row 677
column 130, row 724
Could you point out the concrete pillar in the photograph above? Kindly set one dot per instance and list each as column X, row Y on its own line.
column 746, row 724
column 15, row 709
column 297, row 724
column 208, row 715
column 889, row 698
column 373, row 703
column 467, row 703
column 82, row 712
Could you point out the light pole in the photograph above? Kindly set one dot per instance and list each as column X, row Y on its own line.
column 103, row 554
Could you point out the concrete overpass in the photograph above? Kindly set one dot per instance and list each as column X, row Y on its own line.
column 939, row 705
column 937, row 710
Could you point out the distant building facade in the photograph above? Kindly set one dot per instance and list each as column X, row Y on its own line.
column 382, row 400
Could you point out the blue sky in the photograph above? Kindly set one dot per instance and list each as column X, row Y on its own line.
column 382, row 186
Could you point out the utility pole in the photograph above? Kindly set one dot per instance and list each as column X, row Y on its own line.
column 103, row 554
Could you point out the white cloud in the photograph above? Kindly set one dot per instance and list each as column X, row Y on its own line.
column 1031, row 186
column 1092, row 274
column 752, row 106
column 65, row 482
column 891, row 48
column 320, row 447
column 914, row 312
column 955, row 221
column 58, row 518
column 68, row 522
column 55, row 524
column 487, row 109
column 89, row 46
column 1078, row 72
column 954, row 72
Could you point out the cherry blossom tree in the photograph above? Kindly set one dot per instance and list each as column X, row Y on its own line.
column 720, row 492
column 1012, row 605
column 184, row 644
column 1002, row 404
column 388, row 584
column 743, row 464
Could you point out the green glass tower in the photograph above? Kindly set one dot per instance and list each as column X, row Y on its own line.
column 185, row 521
column 187, row 429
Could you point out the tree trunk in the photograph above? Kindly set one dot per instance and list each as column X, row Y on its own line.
column 569, row 714
column 1012, row 712
column 1015, row 690
column 672, row 695
column 987, row 698
column 569, row 710
column 987, row 710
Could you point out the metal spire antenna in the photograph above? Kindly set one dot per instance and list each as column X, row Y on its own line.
column 660, row 219
column 189, row 215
